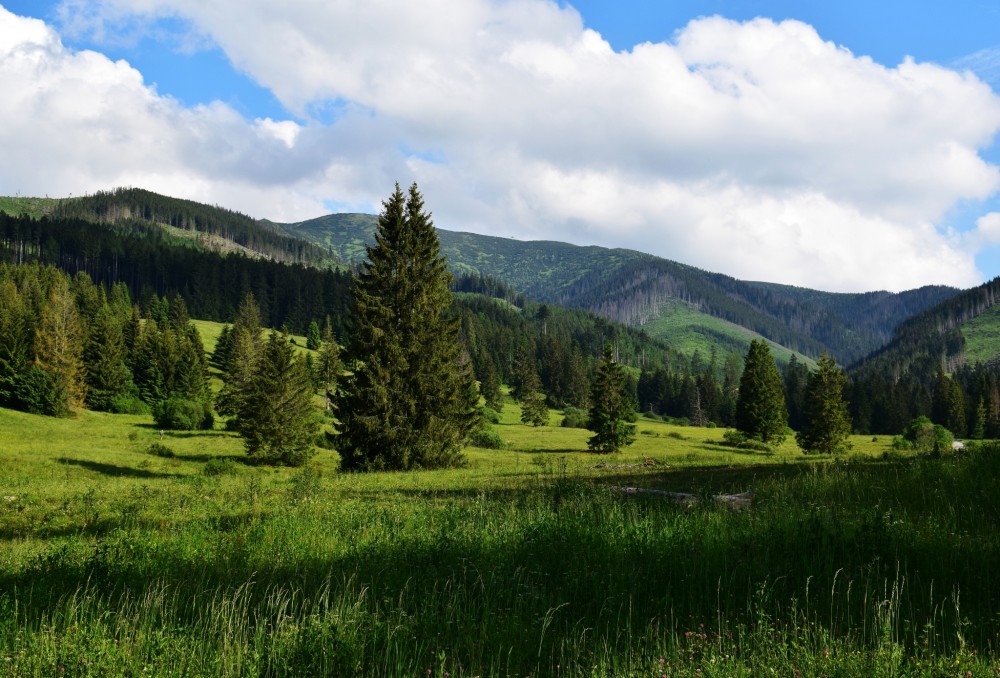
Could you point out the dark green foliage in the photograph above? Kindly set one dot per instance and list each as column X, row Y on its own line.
column 220, row 467
column 489, row 415
column 329, row 365
column 925, row 436
column 178, row 414
column 275, row 414
column 150, row 262
column 741, row 441
column 313, row 337
column 487, row 438
column 36, row 392
column 243, row 348
column 161, row 450
column 795, row 376
column 611, row 412
column 826, row 421
column 107, row 376
column 411, row 402
column 58, row 347
column 574, row 417
column 760, row 409
column 16, row 338
column 489, row 384
column 534, row 410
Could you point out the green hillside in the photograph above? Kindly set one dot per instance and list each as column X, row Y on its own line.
column 982, row 337
column 646, row 291
column 688, row 330
column 32, row 207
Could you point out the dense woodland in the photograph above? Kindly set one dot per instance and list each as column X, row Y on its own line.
column 124, row 206
column 509, row 338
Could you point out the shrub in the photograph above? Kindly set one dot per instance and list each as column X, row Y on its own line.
column 220, row 467
column 178, row 414
column 487, row 437
column 127, row 404
column 742, row 441
column 161, row 450
column 574, row 417
column 490, row 415
column 926, row 436
column 325, row 440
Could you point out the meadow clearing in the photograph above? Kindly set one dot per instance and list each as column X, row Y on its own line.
column 528, row 561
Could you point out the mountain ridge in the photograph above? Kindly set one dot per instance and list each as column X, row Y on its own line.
column 636, row 288
column 624, row 285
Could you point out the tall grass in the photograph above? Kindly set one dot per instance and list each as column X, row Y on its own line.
column 851, row 568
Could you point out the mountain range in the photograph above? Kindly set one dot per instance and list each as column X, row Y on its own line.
column 689, row 308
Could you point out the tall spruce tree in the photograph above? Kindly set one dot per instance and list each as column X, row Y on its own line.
column 611, row 414
column 276, row 417
column 59, row 348
column 411, row 401
column 826, row 420
column 329, row 365
column 760, row 407
column 534, row 409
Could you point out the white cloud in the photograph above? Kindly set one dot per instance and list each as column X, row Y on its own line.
column 755, row 149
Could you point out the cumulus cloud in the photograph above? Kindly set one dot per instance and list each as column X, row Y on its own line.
column 757, row 149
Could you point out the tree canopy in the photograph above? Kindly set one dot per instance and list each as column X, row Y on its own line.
column 760, row 407
column 411, row 400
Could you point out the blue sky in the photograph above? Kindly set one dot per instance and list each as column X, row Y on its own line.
column 829, row 145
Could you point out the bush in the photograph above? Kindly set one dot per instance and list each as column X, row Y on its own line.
column 490, row 415
column 325, row 440
column 742, row 441
column 574, row 417
column 220, row 467
column 487, row 437
column 178, row 414
column 161, row 450
column 127, row 404
column 926, row 436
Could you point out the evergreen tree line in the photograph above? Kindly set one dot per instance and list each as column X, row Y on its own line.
column 136, row 206
column 848, row 326
column 151, row 263
column 67, row 343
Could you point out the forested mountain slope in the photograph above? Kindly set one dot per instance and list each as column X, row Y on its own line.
column 678, row 303
column 203, row 226
column 691, row 309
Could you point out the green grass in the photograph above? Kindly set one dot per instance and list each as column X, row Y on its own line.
column 688, row 330
column 527, row 561
column 982, row 335
column 32, row 207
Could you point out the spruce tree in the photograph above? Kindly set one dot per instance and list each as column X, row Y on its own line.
column 244, row 347
column 107, row 376
column 611, row 411
column 59, row 348
column 16, row 335
column 760, row 407
column 534, row 410
column 313, row 338
column 329, row 365
column 276, row 417
column 826, row 420
column 411, row 402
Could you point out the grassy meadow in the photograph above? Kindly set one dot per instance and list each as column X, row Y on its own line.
column 528, row 561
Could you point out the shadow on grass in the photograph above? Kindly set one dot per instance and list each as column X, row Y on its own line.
column 695, row 479
column 115, row 471
column 746, row 452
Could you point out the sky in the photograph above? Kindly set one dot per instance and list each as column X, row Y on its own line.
column 846, row 146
